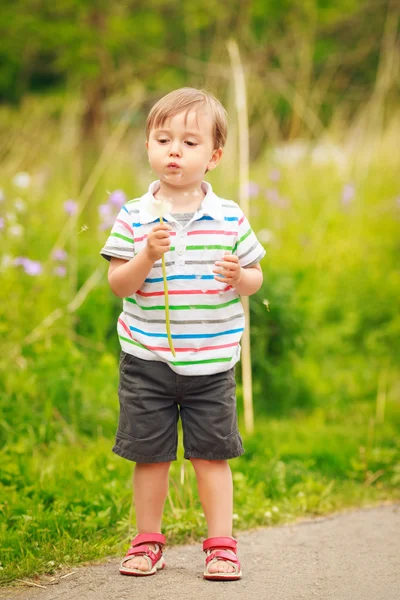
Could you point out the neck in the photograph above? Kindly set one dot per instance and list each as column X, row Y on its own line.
column 183, row 199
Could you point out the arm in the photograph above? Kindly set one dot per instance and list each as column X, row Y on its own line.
column 126, row 276
column 245, row 281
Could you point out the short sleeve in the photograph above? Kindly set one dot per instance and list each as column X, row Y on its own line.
column 120, row 243
column 247, row 248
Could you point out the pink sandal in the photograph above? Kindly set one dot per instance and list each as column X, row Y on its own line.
column 139, row 548
column 216, row 549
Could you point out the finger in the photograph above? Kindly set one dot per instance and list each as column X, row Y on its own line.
column 225, row 266
column 230, row 257
column 162, row 226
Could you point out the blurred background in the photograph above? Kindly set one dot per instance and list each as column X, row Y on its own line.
column 77, row 79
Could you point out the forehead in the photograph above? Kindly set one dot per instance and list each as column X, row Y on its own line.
column 196, row 119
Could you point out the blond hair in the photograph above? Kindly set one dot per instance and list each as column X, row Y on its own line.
column 185, row 100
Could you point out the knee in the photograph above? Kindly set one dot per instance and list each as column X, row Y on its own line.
column 200, row 464
column 162, row 467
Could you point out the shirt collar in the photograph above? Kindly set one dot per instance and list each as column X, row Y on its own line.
column 211, row 204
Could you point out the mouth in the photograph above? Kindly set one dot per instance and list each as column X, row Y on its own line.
column 173, row 165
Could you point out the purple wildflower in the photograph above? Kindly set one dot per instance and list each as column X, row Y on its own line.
column 71, row 207
column 20, row 261
column 348, row 194
column 274, row 175
column 253, row 189
column 33, row 267
column 272, row 195
column 60, row 254
column 104, row 210
column 117, row 198
column 60, row 271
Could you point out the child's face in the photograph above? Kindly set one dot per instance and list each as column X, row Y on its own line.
column 182, row 149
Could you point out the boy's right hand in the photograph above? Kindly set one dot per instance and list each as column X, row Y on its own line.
column 158, row 241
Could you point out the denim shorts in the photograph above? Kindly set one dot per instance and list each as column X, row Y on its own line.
column 152, row 397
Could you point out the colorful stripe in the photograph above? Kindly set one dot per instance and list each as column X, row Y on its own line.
column 199, row 317
column 128, row 227
column 188, row 336
column 182, row 292
column 211, row 232
column 175, row 277
column 121, row 237
column 187, row 306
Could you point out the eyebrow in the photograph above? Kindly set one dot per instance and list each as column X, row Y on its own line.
column 164, row 130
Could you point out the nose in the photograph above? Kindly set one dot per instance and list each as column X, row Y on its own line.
column 175, row 149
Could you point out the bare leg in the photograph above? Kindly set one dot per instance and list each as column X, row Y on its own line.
column 150, row 485
column 214, row 481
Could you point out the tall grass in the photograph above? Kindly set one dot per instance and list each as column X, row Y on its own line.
column 325, row 338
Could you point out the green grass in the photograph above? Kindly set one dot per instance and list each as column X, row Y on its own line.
column 62, row 504
column 325, row 354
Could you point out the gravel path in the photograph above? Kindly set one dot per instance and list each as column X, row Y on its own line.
column 349, row 556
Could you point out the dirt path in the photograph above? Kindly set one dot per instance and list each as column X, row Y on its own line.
column 349, row 556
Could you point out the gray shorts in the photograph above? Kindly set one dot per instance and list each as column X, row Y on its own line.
column 152, row 397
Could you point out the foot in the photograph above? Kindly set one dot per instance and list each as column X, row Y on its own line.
column 144, row 556
column 221, row 566
column 139, row 562
column 221, row 560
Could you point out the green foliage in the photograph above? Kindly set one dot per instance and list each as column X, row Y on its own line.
column 62, row 503
column 100, row 48
column 325, row 345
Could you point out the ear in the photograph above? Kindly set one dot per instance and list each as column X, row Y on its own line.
column 215, row 158
column 147, row 145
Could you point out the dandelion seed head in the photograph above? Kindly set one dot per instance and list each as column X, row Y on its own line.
column 268, row 514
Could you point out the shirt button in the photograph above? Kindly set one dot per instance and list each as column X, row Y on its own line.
column 180, row 251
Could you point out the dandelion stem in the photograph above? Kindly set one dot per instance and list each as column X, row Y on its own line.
column 164, row 272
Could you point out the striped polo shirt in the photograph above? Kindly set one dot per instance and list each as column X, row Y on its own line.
column 206, row 316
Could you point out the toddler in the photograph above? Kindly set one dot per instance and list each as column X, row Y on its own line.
column 212, row 258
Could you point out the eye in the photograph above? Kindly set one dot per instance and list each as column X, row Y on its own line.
column 191, row 144
column 162, row 140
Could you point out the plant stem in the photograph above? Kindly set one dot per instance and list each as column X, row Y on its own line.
column 164, row 272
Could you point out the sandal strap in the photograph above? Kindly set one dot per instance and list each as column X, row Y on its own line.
column 148, row 538
column 222, row 555
column 220, row 542
column 145, row 551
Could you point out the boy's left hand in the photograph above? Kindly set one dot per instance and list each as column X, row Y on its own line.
column 228, row 270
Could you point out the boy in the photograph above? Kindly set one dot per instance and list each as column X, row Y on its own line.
column 212, row 258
